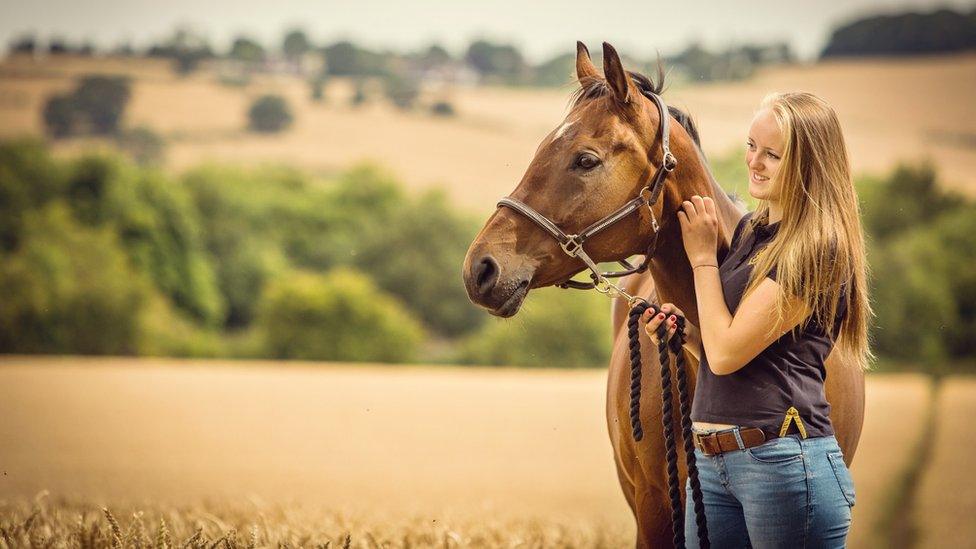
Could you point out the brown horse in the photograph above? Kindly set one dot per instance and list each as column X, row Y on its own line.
column 596, row 160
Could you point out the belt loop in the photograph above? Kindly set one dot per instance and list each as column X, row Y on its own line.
column 738, row 438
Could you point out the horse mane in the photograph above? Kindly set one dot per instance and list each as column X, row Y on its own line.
column 592, row 87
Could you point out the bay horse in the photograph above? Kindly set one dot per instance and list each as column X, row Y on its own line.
column 598, row 159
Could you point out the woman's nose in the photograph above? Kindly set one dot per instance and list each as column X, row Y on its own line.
column 754, row 163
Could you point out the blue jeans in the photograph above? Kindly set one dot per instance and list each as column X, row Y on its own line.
column 786, row 492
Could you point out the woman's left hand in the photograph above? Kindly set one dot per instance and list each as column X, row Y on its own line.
column 699, row 230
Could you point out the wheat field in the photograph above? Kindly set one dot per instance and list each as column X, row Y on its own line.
column 309, row 454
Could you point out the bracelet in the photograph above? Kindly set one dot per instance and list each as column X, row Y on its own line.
column 704, row 265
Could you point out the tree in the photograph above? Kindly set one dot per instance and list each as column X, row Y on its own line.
column 554, row 329
column 96, row 105
column 415, row 255
column 337, row 316
column 247, row 50
column 346, row 59
column 296, row 44
column 69, row 289
column 102, row 101
column 435, row 56
column 60, row 116
column 402, row 91
column 24, row 44
column 269, row 114
column 502, row 60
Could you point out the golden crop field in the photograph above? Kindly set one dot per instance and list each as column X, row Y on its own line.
column 891, row 110
column 312, row 454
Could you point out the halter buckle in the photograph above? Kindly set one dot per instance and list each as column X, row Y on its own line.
column 572, row 246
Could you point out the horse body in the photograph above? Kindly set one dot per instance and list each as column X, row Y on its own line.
column 511, row 255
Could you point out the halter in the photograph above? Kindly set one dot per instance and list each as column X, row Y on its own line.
column 572, row 244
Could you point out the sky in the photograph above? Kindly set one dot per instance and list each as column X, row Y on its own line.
column 540, row 28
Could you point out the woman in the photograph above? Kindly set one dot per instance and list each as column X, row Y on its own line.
column 772, row 473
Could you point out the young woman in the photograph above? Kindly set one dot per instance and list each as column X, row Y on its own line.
column 792, row 284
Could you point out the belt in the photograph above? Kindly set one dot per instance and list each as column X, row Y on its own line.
column 730, row 439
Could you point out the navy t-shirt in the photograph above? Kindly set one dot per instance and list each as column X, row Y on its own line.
column 790, row 372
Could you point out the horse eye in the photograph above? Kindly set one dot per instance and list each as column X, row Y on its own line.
column 587, row 161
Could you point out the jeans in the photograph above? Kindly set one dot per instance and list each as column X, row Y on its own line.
column 786, row 492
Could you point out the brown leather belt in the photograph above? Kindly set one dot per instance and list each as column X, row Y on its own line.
column 720, row 442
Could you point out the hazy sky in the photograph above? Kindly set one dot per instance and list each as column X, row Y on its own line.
column 540, row 28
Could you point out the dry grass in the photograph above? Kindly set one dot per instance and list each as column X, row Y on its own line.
column 947, row 496
column 892, row 110
column 58, row 522
column 404, row 454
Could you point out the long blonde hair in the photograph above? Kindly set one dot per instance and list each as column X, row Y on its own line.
column 819, row 244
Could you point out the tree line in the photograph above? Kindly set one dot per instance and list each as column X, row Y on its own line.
column 938, row 31
column 102, row 256
column 484, row 60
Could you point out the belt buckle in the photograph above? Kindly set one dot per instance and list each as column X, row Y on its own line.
column 698, row 439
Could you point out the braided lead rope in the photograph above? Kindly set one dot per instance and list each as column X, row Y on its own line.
column 667, row 418
column 690, row 460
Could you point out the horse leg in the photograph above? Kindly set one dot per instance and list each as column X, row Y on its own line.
column 653, row 519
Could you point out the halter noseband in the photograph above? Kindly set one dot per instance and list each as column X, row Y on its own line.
column 572, row 244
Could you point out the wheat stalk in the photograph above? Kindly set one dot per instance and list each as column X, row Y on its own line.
column 163, row 540
column 116, row 529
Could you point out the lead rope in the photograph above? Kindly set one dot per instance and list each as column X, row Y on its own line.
column 664, row 346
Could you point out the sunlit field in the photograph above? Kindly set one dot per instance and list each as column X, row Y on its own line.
column 892, row 111
column 262, row 453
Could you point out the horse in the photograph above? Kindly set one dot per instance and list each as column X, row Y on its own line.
column 596, row 160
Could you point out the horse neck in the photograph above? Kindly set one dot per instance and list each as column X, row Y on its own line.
column 670, row 267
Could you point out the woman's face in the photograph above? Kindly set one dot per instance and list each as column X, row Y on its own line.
column 764, row 149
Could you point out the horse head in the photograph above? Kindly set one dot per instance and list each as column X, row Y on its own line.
column 607, row 152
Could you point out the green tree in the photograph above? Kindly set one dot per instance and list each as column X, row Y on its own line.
column 69, row 289
column 555, row 329
column 416, row 254
column 247, row 49
column 102, row 101
column 29, row 179
column 490, row 59
column 337, row 316
column 296, row 44
column 269, row 114
column 346, row 59
column 401, row 91
column 60, row 116
column 156, row 224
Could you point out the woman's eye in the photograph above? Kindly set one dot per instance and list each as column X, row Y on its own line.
column 773, row 156
column 749, row 146
column 587, row 161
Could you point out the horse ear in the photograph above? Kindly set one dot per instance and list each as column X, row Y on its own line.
column 584, row 65
column 615, row 74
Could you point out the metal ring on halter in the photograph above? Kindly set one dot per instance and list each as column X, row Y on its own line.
column 650, row 207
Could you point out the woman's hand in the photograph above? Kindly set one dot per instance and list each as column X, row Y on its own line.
column 699, row 230
column 652, row 322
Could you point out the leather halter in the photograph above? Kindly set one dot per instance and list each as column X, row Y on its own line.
column 572, row 244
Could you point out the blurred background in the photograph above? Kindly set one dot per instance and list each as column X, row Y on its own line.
column 231, row 238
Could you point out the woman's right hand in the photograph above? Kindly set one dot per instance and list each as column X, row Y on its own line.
column 651, row 323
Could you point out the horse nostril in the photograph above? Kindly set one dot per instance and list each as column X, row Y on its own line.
column 486, row 273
